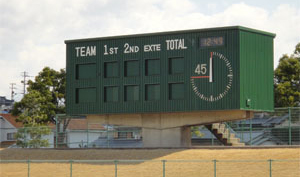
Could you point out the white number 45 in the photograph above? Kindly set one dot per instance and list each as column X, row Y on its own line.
column 201, row 69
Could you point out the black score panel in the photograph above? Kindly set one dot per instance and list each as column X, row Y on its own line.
column 111, row 94
column 212, row 41
column 176, row 65
column 111, row 69
column 85, row 95
column 132, row 93
column 131, row 68
column 152, row 92
column 176, row 91
column 86, row 71
column 223, row 68
column 152, row 67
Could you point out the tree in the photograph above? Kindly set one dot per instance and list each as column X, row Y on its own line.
column 196, row 132
column 45, row 99
column 33, row 116
column 52, row 83
column 287, row 80
column 32, row 136
column 35, row 108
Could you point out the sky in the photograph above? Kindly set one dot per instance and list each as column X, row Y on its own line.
column 32, row 32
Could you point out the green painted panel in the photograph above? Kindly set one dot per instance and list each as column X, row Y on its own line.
column 132, row 93
column 111, row 69
column 86, row 71
column 111, row 94
column 86, row 95
column 176, row 91
column 176, row 65
column 228, row 67
column 152, row 67
column 152, row 92
column 256, row 76
column 132, row 68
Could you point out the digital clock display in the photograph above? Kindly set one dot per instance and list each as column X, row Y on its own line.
column 211, row 41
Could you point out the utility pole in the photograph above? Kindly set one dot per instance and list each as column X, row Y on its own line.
column 24, row 75
column 12, row 90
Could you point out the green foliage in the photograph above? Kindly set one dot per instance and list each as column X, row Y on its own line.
column 287, row 80
column 31, row 136
column 52, row 83
column 35, row 108
column 45, row 98
column 196, row 132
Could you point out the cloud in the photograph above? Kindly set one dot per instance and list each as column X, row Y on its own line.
column 32, row 33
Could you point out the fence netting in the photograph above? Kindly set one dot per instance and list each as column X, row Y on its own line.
column 281, row 127
column 150, row 168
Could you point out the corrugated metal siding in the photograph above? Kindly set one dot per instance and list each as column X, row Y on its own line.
column 256, row 71
column 231, row 100
column 191, row 56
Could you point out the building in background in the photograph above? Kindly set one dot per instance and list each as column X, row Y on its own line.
column 5, row 105
column 80, row 134
column 9, row 127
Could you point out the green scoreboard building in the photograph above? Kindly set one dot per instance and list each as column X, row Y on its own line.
column 228, row 68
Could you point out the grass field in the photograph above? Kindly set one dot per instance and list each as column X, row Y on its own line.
column 231, row 162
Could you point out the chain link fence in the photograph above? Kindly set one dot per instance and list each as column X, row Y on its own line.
column 149, row 168
column 281, row 127
column 76, row 132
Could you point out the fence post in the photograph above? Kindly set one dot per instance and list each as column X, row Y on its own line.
column 28, row 165
column 107, row 138
column 87, row 136
column 270, row 167
column 164, row 168
column 116, row 168
column 25, row 137
column 251, row 132
column 215, row 168
column 290, row 128
column 243, row 125
column 56, row 124
column 71, row 168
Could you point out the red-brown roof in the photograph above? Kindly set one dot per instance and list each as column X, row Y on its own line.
column 12, row 120
column 81, row 124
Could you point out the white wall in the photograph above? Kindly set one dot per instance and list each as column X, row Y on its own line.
column 50, row 139
column 76, row 137
column 5, row 128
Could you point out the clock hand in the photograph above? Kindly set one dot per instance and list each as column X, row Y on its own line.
column 210, row 68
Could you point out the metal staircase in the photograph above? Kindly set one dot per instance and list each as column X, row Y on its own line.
column 224, row 134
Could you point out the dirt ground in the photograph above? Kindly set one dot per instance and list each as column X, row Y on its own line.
column 180, row 162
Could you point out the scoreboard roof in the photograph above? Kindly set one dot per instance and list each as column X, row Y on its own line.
column 173, row 32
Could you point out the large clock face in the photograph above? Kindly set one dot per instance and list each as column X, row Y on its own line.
column 212, row 78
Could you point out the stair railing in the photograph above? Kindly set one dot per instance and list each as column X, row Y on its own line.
column 227, row 126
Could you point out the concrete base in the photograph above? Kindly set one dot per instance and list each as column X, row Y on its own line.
column 168, row 129
column 172, row 137
column 169, row 120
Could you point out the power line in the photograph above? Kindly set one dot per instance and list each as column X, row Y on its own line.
column 12, row 90
column 24, row 75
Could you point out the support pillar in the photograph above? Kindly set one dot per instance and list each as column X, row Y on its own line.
column 171, row 137
column 168, row 129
